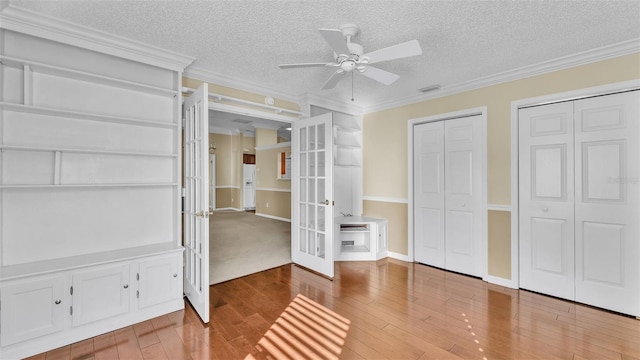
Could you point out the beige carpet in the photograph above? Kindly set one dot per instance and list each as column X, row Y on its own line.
column 243, row 243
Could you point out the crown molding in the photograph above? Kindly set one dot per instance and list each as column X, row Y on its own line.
column 582, row 58
column 197, row 73
column 47, row 27
column 329, row 103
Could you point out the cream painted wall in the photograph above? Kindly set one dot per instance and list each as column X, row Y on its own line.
column 229, row 150
column 239, row 94
column 385, row 139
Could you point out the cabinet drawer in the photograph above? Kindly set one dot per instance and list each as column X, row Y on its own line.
column 32, row 309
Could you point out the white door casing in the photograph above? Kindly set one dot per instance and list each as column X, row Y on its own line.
column 312, row 192
column 196, row 201
column 463, row 195
column 212, row 181
column 546, row 199
column 607, row 201
column 429, row 222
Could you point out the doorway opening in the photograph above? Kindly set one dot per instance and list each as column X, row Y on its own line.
column 250, row 225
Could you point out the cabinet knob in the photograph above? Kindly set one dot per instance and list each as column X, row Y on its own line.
column 545, row 209
column 58, row 302
column 126, row 286
column 175, row 275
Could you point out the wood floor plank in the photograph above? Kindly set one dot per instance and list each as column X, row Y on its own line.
column 396, row 310
column 105, row 347
column 82, row 350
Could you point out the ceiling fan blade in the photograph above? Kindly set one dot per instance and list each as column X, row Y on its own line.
column 336, row 41
column 332, row 81
column 402, row 50
column 302, row 65
column 380, row 75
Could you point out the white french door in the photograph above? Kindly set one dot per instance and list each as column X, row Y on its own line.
column 448, row 194
column 196, row 201
column 312, row 190
column 580, row 202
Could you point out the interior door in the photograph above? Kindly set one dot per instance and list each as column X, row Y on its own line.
column 312, row 215
column 463, row 195
column 607, row 150
column 428, row 182
column 196, row 201
column 546, row 188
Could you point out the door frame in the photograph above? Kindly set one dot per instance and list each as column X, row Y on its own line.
column 482, row 112
column 577, row 94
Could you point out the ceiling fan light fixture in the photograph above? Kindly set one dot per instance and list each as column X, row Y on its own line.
column 348, row 65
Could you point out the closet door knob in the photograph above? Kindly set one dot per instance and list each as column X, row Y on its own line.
column 126, row 286
column 58, row 302
column 175, row 275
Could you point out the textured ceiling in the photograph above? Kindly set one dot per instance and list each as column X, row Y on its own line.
column 461, row 40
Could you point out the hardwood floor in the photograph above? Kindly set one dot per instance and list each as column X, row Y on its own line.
column 397, row 310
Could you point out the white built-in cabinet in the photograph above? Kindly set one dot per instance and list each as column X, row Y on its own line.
column 355, row 237
column 47, row 310
column 90, row 188
column 360, row 238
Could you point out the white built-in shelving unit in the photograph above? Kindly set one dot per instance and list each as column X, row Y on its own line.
column 90, row 184
column 355, row 237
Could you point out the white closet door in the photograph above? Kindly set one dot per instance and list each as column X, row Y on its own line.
column 546, row 199
column 428, row 182
column 463, row 195
column 606, row 204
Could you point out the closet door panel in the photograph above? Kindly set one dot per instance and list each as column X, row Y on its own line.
column 463, row 195
column 607, row 201
column 546, row 199
column 428, row 182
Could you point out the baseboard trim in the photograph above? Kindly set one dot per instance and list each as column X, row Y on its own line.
column 274, row 217
column 398, row 256
column 227, row 208
column 500, row 281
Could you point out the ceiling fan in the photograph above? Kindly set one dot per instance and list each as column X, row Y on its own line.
column 350, row 57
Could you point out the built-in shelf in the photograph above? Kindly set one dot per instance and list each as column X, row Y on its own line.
column 72, row 262
column 84, row 76
column 360, row 238
column 39, row 110
column 76, row 186
column 85, row 151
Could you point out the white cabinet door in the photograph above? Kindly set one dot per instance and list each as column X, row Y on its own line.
column 607, row 149
column 158, row 281
column 32, row 309
column 312, row 191
column 463, row 195
column 546, row 199
column 101, row 294
column 428, row 183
